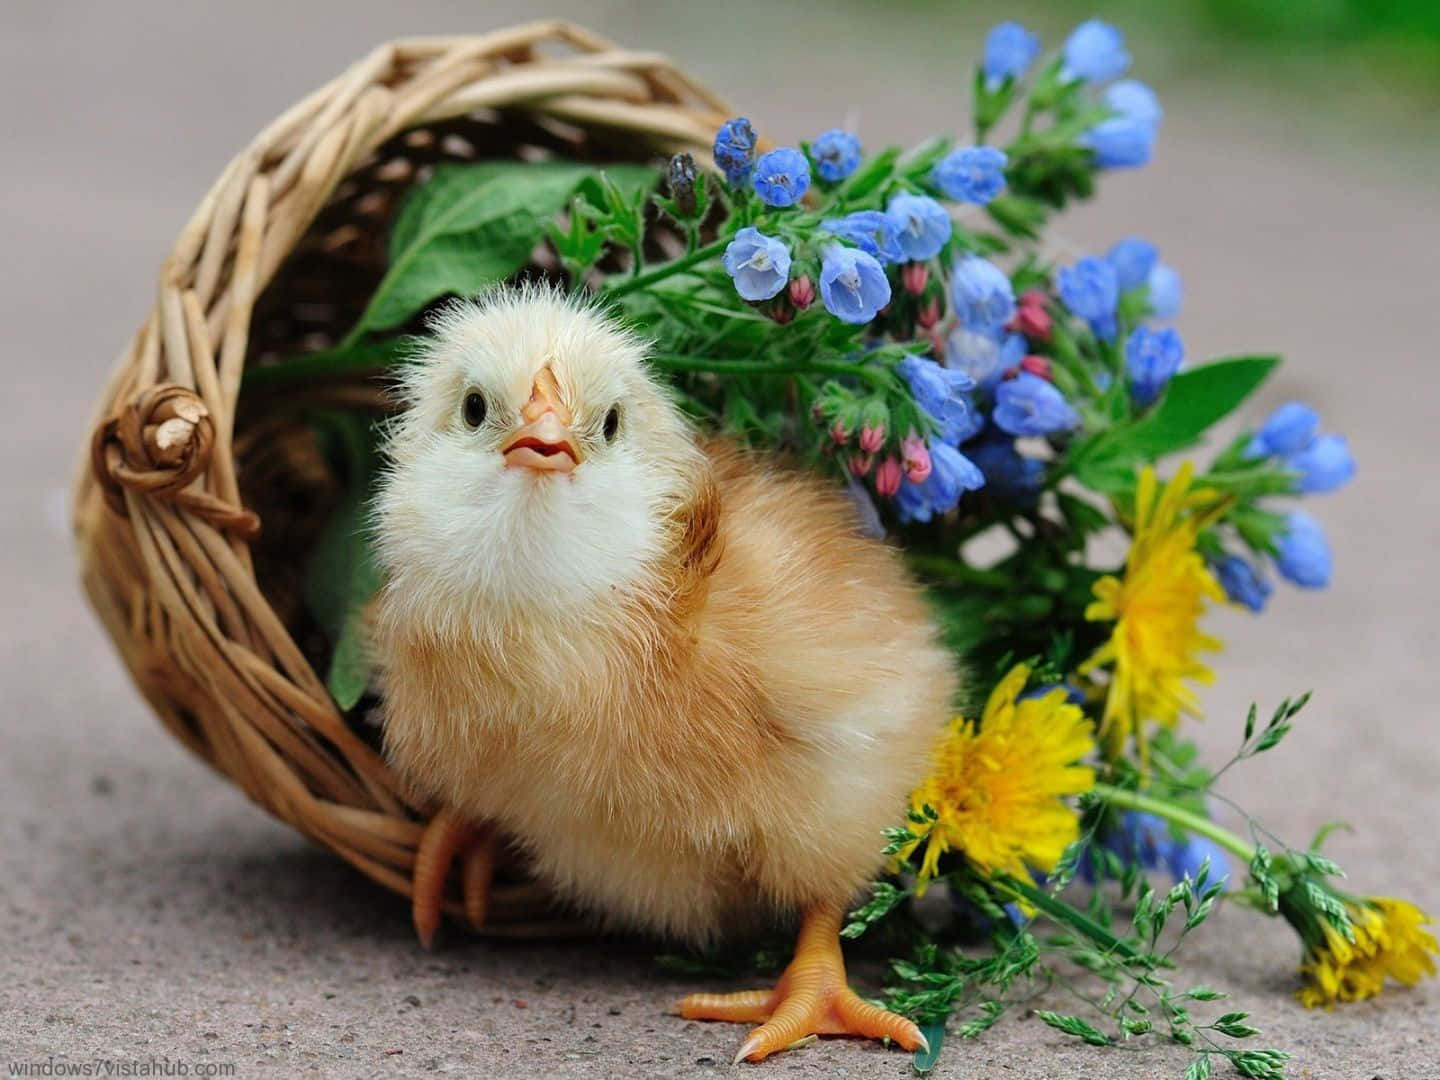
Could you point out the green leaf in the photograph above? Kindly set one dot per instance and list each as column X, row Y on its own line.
column 1193, row 402
column 925, row 1060
column 341, row 576
column 470, row 226
column 1073, row 1025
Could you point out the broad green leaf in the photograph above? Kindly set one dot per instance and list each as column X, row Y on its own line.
column 1193, row 402
column 341, row 576
column 470, row 226
column 925, row 1060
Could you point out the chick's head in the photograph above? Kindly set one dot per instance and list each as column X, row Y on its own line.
column 536, row 466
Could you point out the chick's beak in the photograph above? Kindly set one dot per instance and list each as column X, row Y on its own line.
column 544, row 442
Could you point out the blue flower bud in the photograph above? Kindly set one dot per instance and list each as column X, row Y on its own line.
column 981, row 294
column 1095, row 52
column 1126, row 140
column 1091, row 290
column 1325, row 465
column 1242, row 582
column 873, row 232
column 758, row 264
column 972, row 174
column 782, row 177
column 1135, row 101
column 853, row 284
column 1133, row 258
column 1166, row 292
column 735, row 150
column 836, row 154
column 1303, row 553
column 1287, row 430
column 922, row 225
column 1009, row 50
column 1152, row 357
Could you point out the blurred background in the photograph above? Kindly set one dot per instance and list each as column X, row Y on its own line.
column 148, row 909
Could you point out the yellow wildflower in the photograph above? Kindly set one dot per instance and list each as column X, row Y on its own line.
column 1389, row 942
column 1157, row 608
column 996, row 789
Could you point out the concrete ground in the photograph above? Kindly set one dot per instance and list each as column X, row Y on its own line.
column 148, row 912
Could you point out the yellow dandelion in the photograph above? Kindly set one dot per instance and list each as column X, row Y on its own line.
column 1390, row 942
column 1156, row 607
column 996, row 789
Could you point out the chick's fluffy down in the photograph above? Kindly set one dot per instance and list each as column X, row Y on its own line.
column 713, row 744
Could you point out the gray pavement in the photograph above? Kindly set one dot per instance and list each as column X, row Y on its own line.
column 148, row 911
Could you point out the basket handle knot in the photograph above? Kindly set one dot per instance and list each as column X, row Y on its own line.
column 157, row 445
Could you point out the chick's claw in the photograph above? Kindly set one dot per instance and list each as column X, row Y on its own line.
column 446, row 837
column 811, row 998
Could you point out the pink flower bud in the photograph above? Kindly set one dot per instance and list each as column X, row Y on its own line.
column 888, row 477
column 915, row 276
column 916, row 456
column 872, row 438
column 1034, row 298
column 802, row 292
column 929, row 314
column 1031, row 318
column 781, row 313
column 839, row 434
column 860, row 464
column 1036, row 365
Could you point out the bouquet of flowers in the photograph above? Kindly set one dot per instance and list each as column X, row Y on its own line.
column 899, row 320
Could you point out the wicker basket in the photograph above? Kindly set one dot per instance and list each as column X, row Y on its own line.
column 183, row 468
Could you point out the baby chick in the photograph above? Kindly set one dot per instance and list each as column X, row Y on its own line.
column 678, row 676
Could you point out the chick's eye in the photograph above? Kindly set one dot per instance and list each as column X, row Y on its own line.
column 474, row 408
column 612, row 423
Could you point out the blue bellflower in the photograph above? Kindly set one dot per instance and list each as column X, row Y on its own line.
column 1166, row 292
column 1010, row 49
column 873, row 232
column 1152, row 357
column 923, row 225
column 1126, row 140
column 782, row 177
column 1242, row 582
column 1095, row 52
column 971, row 174
column 1303, row 553
column 853, row 285
column 735, row 150
column 981, row 294
column 1007, row 473
column 758, row 264
column 912, row 502
column 836, row 154
column 982, row 355
column 1091, row 290
column 1325, row 465
column 941, row 393
column 1133, row 258
column 951, row 475
column 1028, row 405
column 1287, row 430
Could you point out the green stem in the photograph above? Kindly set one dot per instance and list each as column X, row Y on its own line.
column 1062, row 912
column 1133, row 800
column 675, row 266
column 954, row 570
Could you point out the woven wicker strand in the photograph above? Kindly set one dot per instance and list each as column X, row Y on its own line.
column 167, row 544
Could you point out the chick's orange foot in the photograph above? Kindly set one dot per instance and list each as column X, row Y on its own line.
column 811, row 998
column 446, row 838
